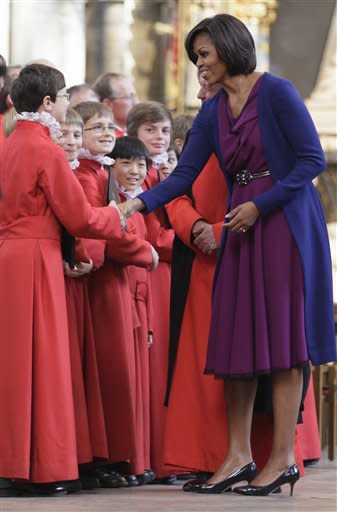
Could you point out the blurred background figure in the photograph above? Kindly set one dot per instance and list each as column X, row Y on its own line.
column 118, row 93
column 80, row 93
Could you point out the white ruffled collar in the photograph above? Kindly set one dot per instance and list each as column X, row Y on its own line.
column 103, row 160
column 74, row 164
column 43, row 118
column 159, row 159
column 129, row 194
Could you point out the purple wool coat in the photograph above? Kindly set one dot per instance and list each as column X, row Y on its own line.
column 295, row 157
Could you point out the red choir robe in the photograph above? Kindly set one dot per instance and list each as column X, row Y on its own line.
column 113, row 320
column 2, row 135
column 196, row 423
column 89, row 416
column 161, row 237
column 139, row 281
column 308, row 432
column 37, row 426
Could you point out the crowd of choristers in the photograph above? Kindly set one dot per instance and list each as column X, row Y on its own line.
column 102, row 368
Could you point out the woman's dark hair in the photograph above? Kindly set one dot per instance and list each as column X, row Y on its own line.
column 233, row 42
column 34, row 83
column 130, row 148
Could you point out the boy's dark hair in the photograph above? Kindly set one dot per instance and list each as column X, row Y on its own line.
column 233, row 42
column 130, row 148
column 146, row 112
column 89, row 109
column 34, row 83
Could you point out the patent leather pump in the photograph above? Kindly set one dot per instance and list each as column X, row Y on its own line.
column 247, row 472
column 289, row 476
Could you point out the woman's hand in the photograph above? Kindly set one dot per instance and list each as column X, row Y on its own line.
column 131, row 206
column 242, row 217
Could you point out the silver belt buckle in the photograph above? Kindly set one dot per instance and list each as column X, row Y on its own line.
column 243, row 177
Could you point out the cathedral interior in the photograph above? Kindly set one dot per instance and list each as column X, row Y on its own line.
column 144, row 39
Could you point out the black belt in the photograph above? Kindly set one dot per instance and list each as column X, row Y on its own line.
column 244, row 177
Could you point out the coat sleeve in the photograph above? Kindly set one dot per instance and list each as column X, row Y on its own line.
column 129, row 249
column 182, row 217
column 94, row 248
column 199, row 148
column 67, row 200
column 160, row 237
column 298, row 129
column 217, row 230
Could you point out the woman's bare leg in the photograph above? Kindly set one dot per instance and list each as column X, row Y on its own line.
column 287, row 392
column 240, row 396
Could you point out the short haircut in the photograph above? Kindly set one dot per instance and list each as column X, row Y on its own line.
column 89, row 109
column 146, row 112
column 34, row 83
column 103, row 85
column 130, row 148
column 73, row 117
column 78, row 88
column 180, row 126
column 233, row 42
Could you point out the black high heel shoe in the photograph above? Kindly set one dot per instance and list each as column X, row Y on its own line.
column 289, row 476
column 247, row 472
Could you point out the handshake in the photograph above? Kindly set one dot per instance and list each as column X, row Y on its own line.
column 126, row 209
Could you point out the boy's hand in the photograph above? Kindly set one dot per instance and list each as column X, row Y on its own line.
column 79, row 270
column 155, row 258
column 204, row 238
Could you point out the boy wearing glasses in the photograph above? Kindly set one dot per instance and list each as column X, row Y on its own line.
column 111, row 304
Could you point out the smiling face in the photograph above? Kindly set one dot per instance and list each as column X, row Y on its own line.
column 130, row 172
column 71, row 140
column 211, row 68
column 155, row 136
column 99, row 135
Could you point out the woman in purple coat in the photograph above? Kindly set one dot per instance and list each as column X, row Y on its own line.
column 272, row 300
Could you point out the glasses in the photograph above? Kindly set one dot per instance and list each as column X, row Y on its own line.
column 100, row 128
column 64, row 95
column 131, row 96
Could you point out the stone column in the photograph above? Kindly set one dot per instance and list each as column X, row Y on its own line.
column 108, row 37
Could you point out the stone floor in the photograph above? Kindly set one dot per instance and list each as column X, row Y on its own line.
column 316, row 492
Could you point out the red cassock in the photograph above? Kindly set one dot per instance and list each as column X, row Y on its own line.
column 196, row 423
column 2, row 135
column 89, row 417
column 113, row 320
column 308, row 432
column 140, row 288
column 37, row 427
column 161, row 237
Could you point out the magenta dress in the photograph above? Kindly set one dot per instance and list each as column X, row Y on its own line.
column 258, row 304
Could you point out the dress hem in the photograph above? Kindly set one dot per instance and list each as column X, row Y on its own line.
column 302, row 364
